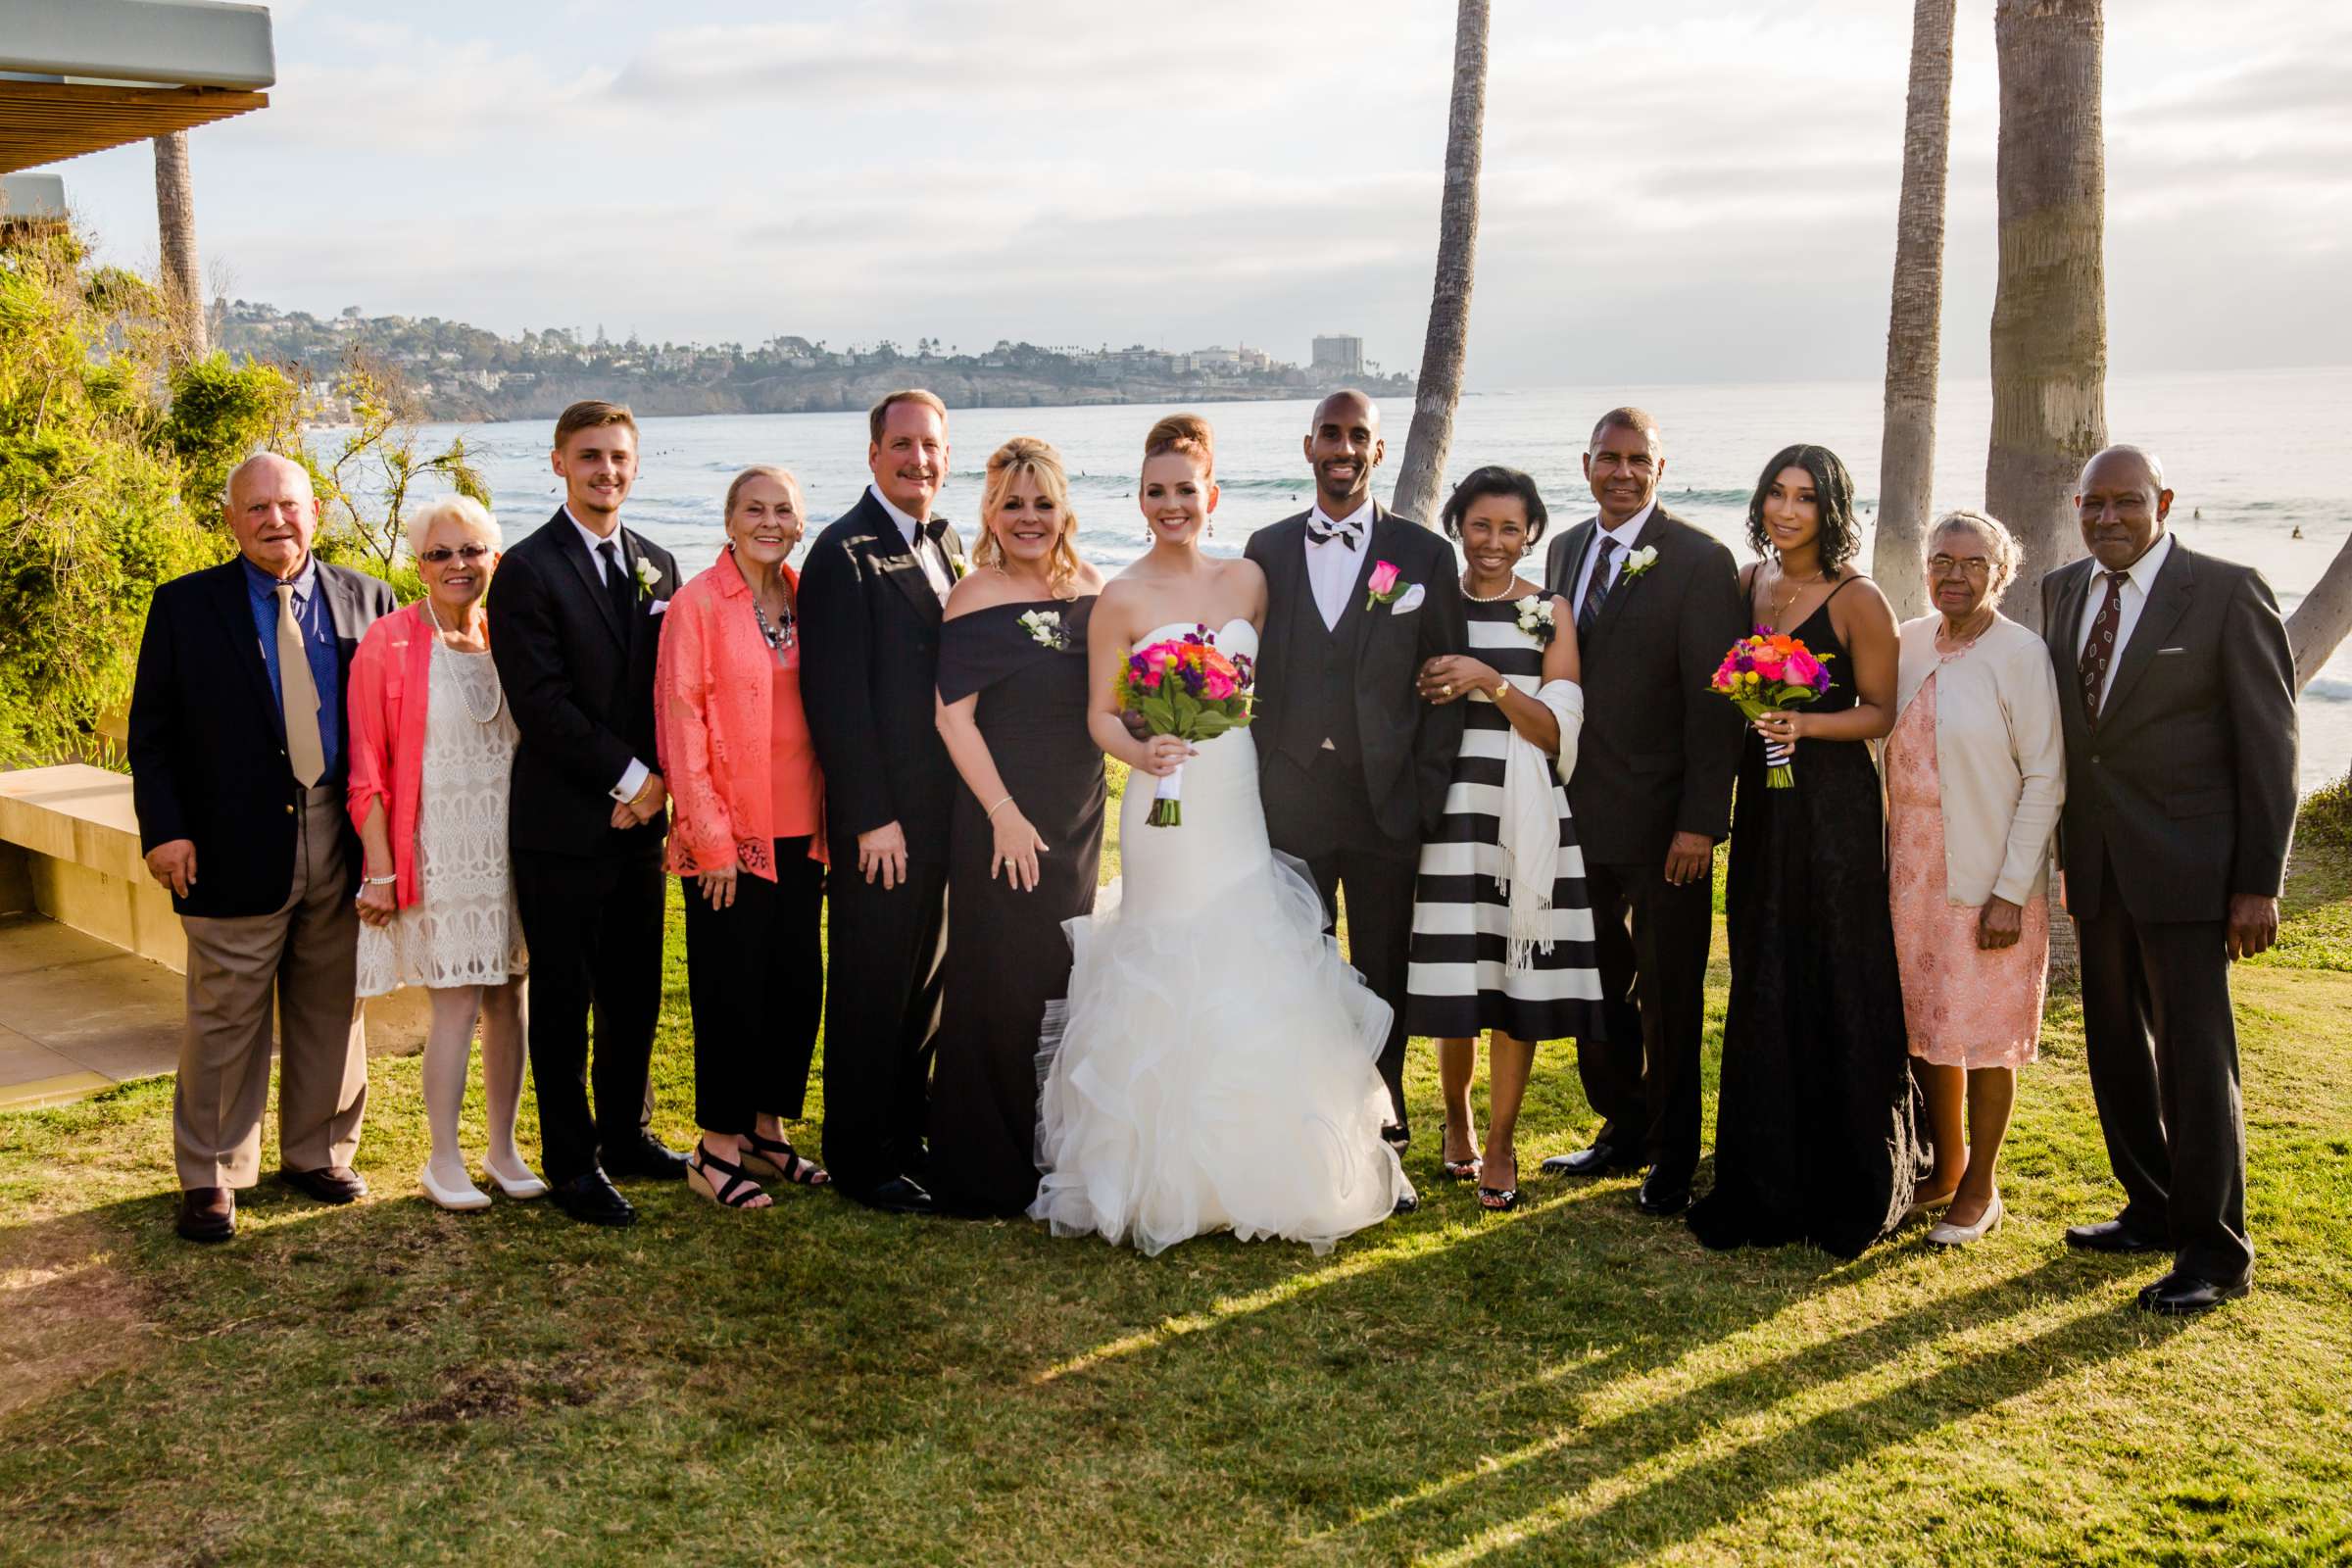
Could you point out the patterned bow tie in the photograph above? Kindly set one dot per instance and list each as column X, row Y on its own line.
column 1321, row 530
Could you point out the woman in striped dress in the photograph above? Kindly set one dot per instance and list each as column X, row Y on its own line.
column 1502, row 932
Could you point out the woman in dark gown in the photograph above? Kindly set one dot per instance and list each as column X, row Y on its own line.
column 1815, row 1131
column 1026, row 843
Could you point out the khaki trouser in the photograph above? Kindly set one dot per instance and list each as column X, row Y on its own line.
column 306, row 957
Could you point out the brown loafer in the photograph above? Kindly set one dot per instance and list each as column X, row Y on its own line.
column 328, row 1183
column 207, row 1214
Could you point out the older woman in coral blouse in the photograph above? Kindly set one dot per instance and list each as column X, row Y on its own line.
column 748, row 837
column 431, row 747
column 1974, row 774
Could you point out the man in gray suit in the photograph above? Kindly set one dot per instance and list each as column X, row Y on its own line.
column 2178, row 696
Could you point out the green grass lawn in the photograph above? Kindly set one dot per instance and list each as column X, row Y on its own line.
column 389, row 1384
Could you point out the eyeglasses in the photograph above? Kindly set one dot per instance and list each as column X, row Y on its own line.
column 1976, row 566
column 468, row 554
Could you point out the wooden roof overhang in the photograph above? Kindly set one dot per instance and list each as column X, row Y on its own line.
column 42, row 122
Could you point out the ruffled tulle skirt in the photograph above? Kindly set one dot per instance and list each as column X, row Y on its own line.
column 1213, row 1065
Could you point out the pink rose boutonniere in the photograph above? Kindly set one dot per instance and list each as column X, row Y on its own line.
column 1387, row 585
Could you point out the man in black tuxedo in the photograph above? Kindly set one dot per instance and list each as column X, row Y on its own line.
column 574, row 624
column 870, row 604
column 2176, row 692
column 1657, row 605
column 237, row 760
column 1353, row 765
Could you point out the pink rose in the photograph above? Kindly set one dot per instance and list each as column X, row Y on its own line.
column 1216, row 686
column 1802, row 667
column 1383, row 577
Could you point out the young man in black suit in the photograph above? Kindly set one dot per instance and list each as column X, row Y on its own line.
column 2176, row 692
column 1657, row 605
column 871, row 598
column 238, row 765
column 574, row 625
column 1353, row 765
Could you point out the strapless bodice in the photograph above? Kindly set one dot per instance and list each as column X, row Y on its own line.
column 1236, row 636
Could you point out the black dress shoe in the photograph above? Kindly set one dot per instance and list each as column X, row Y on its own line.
column 207, row 1214
column 2110, row 1236
column 2179, row 1294
column 593, row 1200
column 1663, row 1196
column 901, row 1195
column 1601, row 1159
column 1409, row 1203
column 644, row 1156
column 328, row 1183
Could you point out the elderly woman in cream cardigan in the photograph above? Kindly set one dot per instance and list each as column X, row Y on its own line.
column 1974, row 773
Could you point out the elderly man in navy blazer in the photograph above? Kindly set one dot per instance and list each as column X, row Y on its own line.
column 237, row 774
column 2177, row 693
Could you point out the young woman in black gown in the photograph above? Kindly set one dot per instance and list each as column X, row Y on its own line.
column 1815, row 1129
column 1026, row 843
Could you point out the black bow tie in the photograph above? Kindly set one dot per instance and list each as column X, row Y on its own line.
column 1322, row 530
column 934, row 530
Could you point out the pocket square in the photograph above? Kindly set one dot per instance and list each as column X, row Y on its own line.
column 657, row 606
column 1410, row 601
column 2161, row 652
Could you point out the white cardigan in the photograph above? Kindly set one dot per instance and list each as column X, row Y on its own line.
column 2000, row 756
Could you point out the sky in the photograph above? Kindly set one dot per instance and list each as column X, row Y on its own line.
column 1686, row 192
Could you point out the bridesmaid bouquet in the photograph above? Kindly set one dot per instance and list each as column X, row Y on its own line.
column 1765, row 673
column 1184, row 687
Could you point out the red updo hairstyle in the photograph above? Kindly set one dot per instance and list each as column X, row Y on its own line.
column 1188, row 434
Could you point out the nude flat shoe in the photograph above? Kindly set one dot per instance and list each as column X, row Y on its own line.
column 459, row 1200
column 1947, row 1234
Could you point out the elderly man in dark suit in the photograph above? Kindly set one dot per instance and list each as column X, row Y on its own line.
column 574, row 626
column 2177, row 693
column 237, row 774
column 1657, row 605
column 872, row 604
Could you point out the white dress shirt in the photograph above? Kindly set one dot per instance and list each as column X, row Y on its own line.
column 632, row 777
column 1625, row 534
column 2141, row 579
column 933, row 560
column 1334, row 565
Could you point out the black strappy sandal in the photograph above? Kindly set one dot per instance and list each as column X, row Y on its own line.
column 734, row 1189
column 1501, row 1200
column 783, row 1161
column 1458, row 1170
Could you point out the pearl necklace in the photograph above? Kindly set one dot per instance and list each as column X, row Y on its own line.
column 498, row 698
column 1510, row 590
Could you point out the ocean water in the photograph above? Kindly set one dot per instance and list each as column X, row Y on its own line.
column 2252, row 459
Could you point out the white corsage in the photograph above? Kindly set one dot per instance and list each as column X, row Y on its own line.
column 962, row 567
column 1640, row 562
column 649, row 576
column 1535, row 618
column 1046, row 629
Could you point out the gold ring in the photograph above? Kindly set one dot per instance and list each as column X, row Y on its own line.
column 1445, row 691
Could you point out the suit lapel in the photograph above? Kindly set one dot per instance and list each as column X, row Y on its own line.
column 1579, row 546
column 584, row 566
column 1356, row 618
column 234, row 603
column 895, row 558
column 2167, row 601
column 2069, row 630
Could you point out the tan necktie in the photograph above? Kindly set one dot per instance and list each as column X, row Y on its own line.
column 298, row 693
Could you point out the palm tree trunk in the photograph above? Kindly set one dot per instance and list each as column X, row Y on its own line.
column 2322, row 619
column 2050, row 312
column 1447, row 344
column 175, row 229
column 1907, row 446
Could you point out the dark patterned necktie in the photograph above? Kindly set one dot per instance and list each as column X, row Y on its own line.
column 1598, row 589
column 2099, row 652
column 1321, row 530
column 617, row 586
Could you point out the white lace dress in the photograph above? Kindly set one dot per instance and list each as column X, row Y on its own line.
column 462, row 929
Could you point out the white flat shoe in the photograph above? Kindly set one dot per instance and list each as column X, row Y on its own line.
column 521, row 1189
column 460, row 1198
column 1947, row 1234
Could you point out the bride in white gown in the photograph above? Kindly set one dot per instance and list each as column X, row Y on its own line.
column 1213, row 1068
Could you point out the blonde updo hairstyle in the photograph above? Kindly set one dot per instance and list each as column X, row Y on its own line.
column 1026, row 457
column 1999, row 544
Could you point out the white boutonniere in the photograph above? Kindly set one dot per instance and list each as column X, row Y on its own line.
column 1640, row 562
column 962, row 567
column 1537, row 619
column 649, row 576
column 1046, row 629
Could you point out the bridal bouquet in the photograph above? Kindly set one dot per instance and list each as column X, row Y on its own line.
column 1186, row 688
column 1765, row 673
